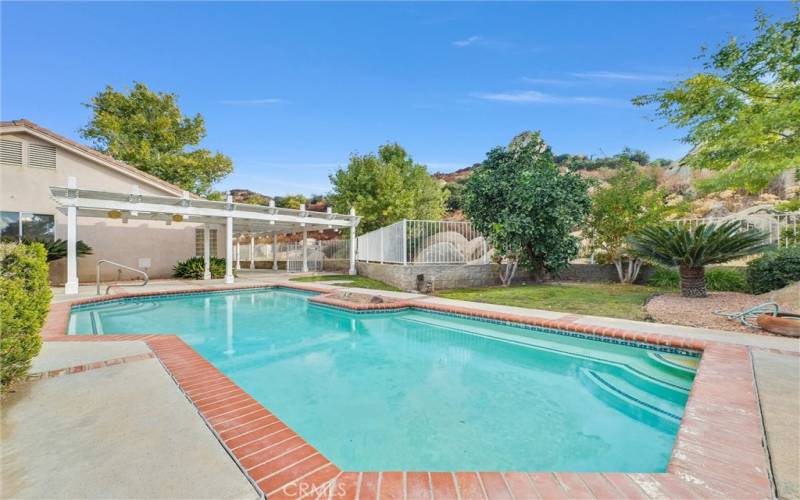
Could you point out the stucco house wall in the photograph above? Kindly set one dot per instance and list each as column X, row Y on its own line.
column 26, row 188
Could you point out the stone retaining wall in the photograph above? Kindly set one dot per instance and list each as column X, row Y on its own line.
column 448, row 276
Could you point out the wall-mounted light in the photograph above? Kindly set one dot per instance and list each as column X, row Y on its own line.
column 177, row 218
column 114, row 214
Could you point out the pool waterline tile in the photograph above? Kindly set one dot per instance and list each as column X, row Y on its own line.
column 723, row 391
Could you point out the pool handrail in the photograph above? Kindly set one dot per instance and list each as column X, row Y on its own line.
column 122, row 266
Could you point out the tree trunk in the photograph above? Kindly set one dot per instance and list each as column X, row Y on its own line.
column 507, row 273
column 693, row 281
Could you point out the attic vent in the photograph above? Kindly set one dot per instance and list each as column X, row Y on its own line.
column 10, row 152
column 41, row 155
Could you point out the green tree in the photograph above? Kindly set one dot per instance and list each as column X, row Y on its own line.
column 629, row 203
column 526, row 207
column 147, row 130
column 291, row 201
column 691, row 250
column 386, row 188
column 742, row 112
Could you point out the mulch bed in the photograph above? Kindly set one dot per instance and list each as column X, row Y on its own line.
column 673, row 309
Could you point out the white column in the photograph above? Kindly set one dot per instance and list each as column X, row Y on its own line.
column 305, row 251
column 274, row 251
column 353, row 244
column 229, row 247
column 238, row 254
column 72, row 286
column 206, row 252
column 252, row 251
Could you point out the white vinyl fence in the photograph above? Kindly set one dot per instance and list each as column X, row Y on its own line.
column 782, row 229
column 424, row 242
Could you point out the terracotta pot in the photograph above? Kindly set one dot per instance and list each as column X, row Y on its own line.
column 787, row 324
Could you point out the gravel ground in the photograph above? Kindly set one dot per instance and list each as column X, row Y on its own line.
column 673, row 309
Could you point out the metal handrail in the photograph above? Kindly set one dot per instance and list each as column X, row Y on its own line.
column 122, row 266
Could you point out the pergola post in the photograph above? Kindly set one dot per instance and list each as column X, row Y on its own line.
column 238, row 254
column 229, row 244
column 72, row 287
column 352, row 243
column 252, row 251
column 274, row 251
column 206, row 253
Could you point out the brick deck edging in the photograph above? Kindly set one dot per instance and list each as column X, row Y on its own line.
column 718, row 452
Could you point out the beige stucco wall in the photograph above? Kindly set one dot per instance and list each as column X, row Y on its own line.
column 26, row 189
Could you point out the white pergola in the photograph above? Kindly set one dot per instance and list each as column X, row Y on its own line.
column 237, row 218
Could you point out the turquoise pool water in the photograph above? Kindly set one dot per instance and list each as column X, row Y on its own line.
column 414, row 390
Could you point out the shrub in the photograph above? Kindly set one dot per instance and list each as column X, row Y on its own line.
column 194, row 267
column 664, row 277
column 725, row 279
column 24, row 301
column 718, row 279
column 790, row 236
column 774, row 270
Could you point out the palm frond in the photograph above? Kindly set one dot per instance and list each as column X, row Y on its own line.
column 677, row 244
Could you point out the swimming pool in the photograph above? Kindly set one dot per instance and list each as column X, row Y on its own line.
column 419, row 390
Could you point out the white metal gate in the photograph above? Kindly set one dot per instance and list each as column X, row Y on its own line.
column 294, row 257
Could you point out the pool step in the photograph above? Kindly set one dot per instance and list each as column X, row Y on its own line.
column 629, row 399
column 681, row 366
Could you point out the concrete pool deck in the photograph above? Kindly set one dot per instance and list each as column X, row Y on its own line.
column 779, row 436
column 124, row 430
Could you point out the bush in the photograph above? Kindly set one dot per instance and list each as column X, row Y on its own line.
column 664, row 277
column 718, row 279
column 24, row 301
column 194, row 267
column 725, row 279
column 774, row 270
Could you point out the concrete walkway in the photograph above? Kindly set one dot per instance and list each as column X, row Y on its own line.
column 778, row 381
column 122, row 431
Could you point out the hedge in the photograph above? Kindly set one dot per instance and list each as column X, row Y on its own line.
column 718, row 279
column 24, row 301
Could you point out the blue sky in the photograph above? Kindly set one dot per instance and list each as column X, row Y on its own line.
column 290, row 90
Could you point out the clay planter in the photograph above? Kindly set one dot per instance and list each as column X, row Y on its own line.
column 787, row 324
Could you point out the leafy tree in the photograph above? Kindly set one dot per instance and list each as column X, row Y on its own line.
column 526, row 207
column 634, row 155
column 742, row 112
column 692, row 249
column 386, row 188
column 147, row 130
column 291, row 201
column 628, row 204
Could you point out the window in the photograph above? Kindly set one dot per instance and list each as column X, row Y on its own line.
column 11, row 152
column 27, row 226
column 198, row 242
column 41, row 155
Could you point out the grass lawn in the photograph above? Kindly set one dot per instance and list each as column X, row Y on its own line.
column 347, row 280
column 599, row 299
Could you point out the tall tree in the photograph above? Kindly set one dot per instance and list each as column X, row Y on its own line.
column 629, row 203
column 147, row 130
column 742, row 112
column 386, row 188
column 526, row 207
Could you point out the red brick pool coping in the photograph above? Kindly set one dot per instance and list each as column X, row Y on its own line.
column 718, row 452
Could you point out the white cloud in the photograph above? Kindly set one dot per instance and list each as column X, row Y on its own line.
column 252, row 102
column 550, row 81
column 472, row 40
column 483, row 42
column 536, row 97
column 614, row 75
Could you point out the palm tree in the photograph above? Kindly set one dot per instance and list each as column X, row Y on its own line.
column 693, row 249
